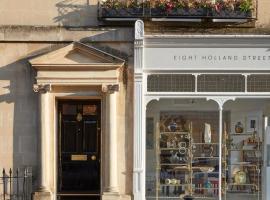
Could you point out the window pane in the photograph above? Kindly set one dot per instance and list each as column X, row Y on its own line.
column 170, row 83
column 258, row 83
column 221, row 83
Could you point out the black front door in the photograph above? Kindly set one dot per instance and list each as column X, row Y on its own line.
column 79, row 149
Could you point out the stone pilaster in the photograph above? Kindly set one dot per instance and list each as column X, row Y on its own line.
column 111, row 191
column 43, row 192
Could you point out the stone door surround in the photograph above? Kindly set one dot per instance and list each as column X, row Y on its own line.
column 80, row 67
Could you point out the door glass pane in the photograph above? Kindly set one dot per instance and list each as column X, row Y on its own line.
column 89, row 109
column 69, row 109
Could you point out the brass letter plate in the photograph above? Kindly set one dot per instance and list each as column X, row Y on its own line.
column 79, row 157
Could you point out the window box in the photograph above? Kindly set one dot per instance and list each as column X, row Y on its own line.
column 232, row 14
column 179, row 12
column 122, row 12
column 224, row 9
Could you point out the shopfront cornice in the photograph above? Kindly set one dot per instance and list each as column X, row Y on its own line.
column 172, row 41
column 253, row 36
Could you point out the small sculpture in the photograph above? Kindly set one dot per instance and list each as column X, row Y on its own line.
column 239, row 128
column 240, row 177
column 207, row 133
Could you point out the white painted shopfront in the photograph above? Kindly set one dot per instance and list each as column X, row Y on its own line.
column 190, row 82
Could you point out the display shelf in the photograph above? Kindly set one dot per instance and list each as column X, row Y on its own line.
column 243, row 164
column 168, row 149
column 190, row 172
column 175, row 133
column 174, row 185
column 244, row 149
column 205, row 188
column 241, row 184
column 199, row 157
column 241, row 134
column 168, row 146
column 247, row 148
column 172, row 164
column 201, row 143
column 204, row 197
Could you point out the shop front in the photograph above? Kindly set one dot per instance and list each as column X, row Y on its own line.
column 201, row 116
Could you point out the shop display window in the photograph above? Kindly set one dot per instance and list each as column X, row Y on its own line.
column 183, row 159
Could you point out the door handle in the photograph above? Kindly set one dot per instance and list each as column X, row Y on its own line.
column 93, row 157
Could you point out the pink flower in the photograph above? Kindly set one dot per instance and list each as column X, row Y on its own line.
column 218, row 7
column 169, row 6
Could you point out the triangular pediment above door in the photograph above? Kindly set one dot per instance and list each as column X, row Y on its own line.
column 76, row 56
column 77, row 64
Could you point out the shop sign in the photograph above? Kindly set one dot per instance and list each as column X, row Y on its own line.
column 207, row 58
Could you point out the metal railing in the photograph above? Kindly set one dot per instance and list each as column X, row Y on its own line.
column 16, row 185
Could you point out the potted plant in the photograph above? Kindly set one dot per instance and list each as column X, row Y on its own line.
column 158, row 8
column 232, row 8
column 246, row 7
column 118, row 8
column 178, row 8
column 134, row 8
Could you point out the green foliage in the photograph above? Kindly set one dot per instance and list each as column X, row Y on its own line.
column 245, row 5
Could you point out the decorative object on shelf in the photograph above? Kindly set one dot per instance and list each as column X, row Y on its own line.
column 240, row 177
column 172, row 142
column 252, row 124
column 172, row 181
column 182, row 150
column 208, row 186
column 172, row 126
column 174, row 158
column 207, row 169
column 239, row 128
column 207, row 133
column 208, row 150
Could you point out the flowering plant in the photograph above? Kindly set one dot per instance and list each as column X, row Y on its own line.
column 118, row 4
column 174, row 7
column 231, row 5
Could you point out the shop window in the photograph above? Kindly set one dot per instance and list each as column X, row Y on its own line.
column 170, row 83
column 221, row 83
column 258, row 83
column 183, row 149
column 184, row 160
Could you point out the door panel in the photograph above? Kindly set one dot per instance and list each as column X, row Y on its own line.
column 70, row 137
column 79, row 149
column 90, row 141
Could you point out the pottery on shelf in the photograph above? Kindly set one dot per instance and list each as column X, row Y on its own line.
column 239, row 128
column 240, row 177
